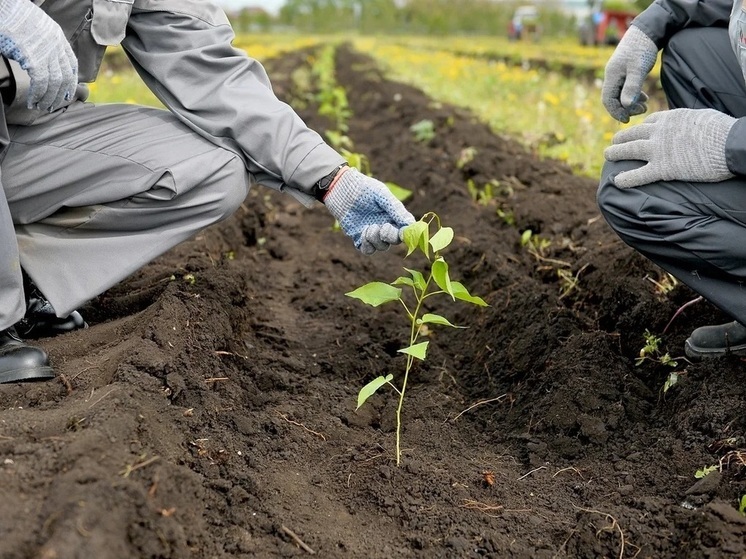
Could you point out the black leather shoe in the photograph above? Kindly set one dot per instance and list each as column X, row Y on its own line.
column 42, row 322
column 708, row 342
column 21, row 362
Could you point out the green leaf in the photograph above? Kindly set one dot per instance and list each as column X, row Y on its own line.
column 706, row 471
column 354, row 160
column 436, row 319
column 672, row 380
column 369, row 389
column 400, row 193
column 376, row 293
column 416, row 235
column 419, row 279
column 441, row 277
column 403, row 281
column 417, row 350
column 462, row 294
column 441, row 239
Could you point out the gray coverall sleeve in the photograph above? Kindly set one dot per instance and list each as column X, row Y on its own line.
column 182, row 50
column 663, row 18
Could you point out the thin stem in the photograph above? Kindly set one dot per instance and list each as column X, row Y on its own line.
column 413, row 334
column 392, row 385
column 434, row 293
column 398, row 409
column 681, row 309
column 406, row 309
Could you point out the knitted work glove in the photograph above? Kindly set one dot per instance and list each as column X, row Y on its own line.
column 367, row 212
column 680, row 144
column 38, row 44
column 625, row 73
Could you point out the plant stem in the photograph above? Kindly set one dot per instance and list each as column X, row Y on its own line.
column 413, row 334
column 398, row 409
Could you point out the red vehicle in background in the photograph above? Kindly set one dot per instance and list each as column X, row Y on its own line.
column 605, row 26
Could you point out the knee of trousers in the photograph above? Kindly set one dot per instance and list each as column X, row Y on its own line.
column 229, row 188
column 618, row 205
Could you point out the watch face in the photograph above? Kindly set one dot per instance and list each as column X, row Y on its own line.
column 324, row 183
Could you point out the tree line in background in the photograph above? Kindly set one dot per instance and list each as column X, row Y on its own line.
column 431, row 17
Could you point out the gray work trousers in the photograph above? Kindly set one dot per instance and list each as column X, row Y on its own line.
column 694, row 231
column 93, row 193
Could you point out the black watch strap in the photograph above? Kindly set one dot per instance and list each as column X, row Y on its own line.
column 321, row 187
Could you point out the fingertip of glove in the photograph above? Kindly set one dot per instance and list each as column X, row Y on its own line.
column 621, row 184
column 618, row 114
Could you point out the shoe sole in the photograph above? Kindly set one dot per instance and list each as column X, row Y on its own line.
column 699, row 353
column 24, row 375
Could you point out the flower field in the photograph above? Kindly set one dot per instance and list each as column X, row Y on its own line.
column 560, row 113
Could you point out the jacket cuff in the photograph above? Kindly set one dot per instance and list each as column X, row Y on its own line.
column 7, row 82
column 317, row 163
column 657, row 23
column 735, row 148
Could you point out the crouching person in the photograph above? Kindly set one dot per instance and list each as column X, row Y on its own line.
column 674, row 186
column 91, row 193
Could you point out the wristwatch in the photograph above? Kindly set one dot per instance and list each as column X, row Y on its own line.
column 322, row 187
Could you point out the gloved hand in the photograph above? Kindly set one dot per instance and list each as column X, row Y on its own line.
column 38, row 44
column 680, row 144
column 367, row 211
column 625, row 73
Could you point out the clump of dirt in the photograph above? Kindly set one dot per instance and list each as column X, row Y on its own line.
column 209, row 411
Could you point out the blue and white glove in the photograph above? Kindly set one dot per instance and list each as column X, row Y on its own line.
column 367, row 212
column 31, row 38
column 625, row 73
column 680, row 144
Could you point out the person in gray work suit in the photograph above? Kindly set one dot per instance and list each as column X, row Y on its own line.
column 674, row 186
column 91, row 193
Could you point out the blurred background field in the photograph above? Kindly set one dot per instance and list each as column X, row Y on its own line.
column 543, row 89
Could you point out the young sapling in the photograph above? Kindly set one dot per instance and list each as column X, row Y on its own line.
column 416, row 288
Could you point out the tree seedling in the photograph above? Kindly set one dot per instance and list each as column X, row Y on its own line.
column 423, row 131
column 742, row 505
column 651, row 351
column 466, row 156
column 568, row 280
column 482, row 195
column 507, row 216
column 536, row 245
column 707, row 470
column 411, row 292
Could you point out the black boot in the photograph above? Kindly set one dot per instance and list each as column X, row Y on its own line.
column 709, row 342
column 41, row 321
column 20, row 361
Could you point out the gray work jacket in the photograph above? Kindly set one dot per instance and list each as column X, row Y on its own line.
column 182, row 50
column 664, row 18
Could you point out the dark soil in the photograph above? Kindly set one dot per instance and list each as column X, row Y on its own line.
column 209, row 411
